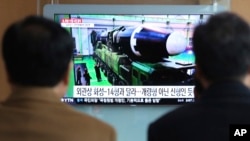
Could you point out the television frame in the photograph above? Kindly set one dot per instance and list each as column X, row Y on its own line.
column 50, row 10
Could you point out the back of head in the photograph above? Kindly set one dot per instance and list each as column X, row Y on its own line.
column 222, row 47
column 36, row 52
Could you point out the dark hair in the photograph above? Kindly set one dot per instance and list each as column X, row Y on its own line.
column 198, row 89
column 222, row 47
column 36, row 51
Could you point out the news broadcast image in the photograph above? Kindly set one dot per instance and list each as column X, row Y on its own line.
column 131, row 59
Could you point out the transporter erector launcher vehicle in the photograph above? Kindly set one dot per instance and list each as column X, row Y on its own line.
column 139, row 56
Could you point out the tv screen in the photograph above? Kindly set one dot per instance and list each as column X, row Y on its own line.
column 131, row 54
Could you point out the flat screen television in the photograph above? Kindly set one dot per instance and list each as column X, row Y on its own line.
column 131, row 54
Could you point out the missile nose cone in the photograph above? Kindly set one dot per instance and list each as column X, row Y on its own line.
column 176, row 43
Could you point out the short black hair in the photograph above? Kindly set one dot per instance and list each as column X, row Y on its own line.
column 222, row 47
column 36, row 51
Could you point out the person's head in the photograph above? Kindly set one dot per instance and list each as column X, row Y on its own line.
column 37, row 52
column 222, row 48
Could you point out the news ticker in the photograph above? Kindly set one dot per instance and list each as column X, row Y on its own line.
column 75, row 22
column 239, row 132
column 130, row 101
column 80, row 25
column 176, row 92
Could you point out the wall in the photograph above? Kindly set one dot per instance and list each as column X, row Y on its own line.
column 242, row 8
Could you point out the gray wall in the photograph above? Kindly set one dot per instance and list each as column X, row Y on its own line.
column 130, row 122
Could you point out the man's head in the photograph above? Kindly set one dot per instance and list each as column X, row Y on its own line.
column 222, row 47
column 37, row 52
